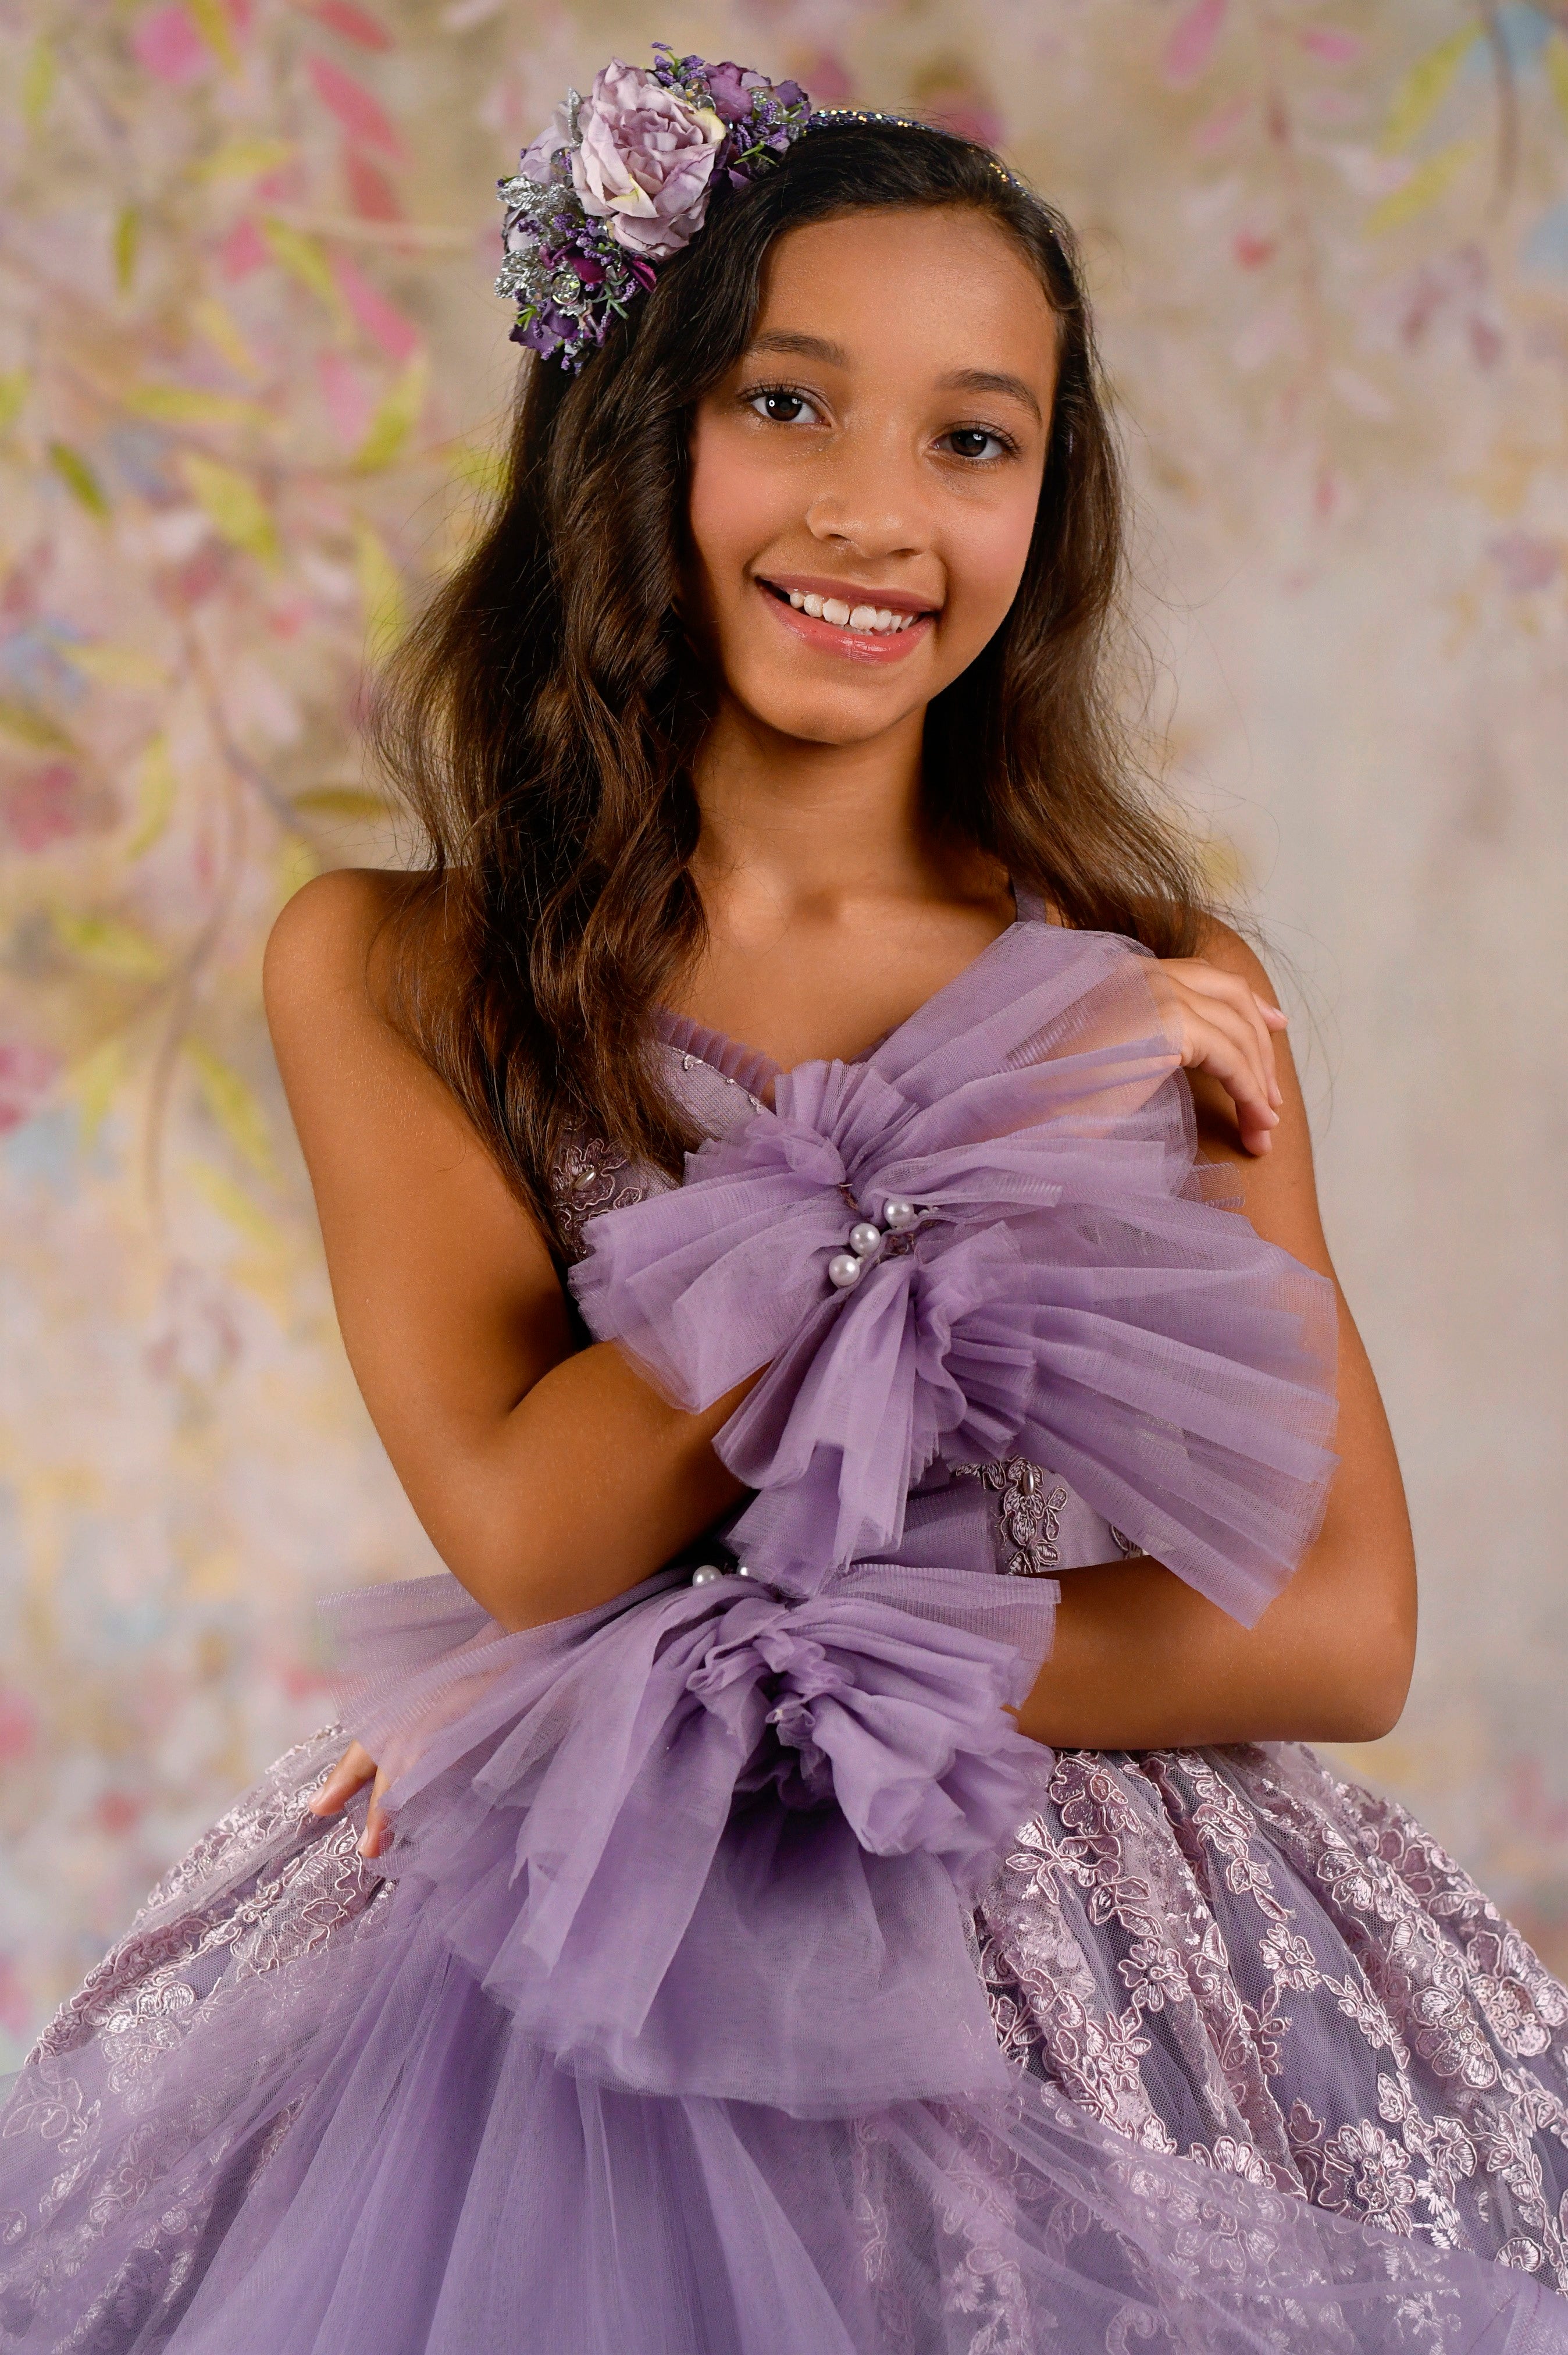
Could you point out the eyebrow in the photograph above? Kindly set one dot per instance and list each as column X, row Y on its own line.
column 992, row 380
column 801, row 347
column 786, row 340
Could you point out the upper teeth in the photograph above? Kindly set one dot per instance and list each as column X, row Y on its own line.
column 849, row 617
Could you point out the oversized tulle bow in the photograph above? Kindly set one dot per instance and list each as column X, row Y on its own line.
column 707, row 1838
column 1063, row 1292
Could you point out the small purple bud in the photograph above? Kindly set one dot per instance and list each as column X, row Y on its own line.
column 589, row 269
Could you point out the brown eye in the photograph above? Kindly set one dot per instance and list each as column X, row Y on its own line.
column 779, row 405
column 975, row 441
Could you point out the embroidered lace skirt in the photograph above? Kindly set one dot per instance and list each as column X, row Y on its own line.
column 1283, row 2068
column 1236, row 1955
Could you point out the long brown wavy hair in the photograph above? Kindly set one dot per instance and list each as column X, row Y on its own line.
column 541, row 717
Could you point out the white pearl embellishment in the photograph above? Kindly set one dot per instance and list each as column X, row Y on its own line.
column 866, row 1239
column 706, row 1575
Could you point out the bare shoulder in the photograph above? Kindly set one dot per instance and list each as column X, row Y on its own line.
column 353, row 1077
column 326, row 940
column 1223, row 946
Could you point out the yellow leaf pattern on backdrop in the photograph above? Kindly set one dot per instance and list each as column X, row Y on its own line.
column 124, row 666
column 187, row 404
column 95, row 1082
column 210, row 319
column 1426, row 185
column 37, row 80
column 211, row 19
column 156, row 786
column 396, row 418
column 1424, row 87
column 29, row 726
column 127, row 237
column 233, row 1103
column 232, row 1202
column 111, row 946
column 234, row 503
column 243, row 158
column 380, row 590
column 78, row 477
column 301, row 255
column 351, row 802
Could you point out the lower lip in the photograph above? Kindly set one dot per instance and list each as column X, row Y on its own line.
column 856, row 645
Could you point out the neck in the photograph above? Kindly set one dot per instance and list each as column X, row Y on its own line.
column 810, row 827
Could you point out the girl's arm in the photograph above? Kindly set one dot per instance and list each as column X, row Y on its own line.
column 547, row 1479
column 1142, row 1662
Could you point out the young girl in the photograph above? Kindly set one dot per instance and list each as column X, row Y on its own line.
column 837, row 1875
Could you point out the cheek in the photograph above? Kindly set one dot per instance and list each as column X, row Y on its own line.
column 732, row 509
column 986, row 558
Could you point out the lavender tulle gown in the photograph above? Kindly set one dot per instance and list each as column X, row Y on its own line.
column 739, row 1981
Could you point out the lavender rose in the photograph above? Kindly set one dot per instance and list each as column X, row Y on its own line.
column 731, row 87
column 644, row 163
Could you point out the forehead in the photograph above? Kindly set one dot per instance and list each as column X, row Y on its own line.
column 922, row 291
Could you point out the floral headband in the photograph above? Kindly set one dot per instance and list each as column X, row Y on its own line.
column 621, row 180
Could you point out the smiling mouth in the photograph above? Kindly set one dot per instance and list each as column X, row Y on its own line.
column 864, row 618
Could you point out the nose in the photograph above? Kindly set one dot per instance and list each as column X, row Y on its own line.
column 869, row 501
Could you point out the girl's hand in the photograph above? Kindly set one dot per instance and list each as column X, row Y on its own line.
column 353, row 1771
column 1220, row 1025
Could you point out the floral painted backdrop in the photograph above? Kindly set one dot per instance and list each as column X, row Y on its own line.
column 250, row 372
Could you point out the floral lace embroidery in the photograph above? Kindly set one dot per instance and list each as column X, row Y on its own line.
column 1236, row 1955
column 266, row 1888
column 1028, row 1509
column 588, row 1178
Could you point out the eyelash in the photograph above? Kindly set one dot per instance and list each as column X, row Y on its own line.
column 759, row 392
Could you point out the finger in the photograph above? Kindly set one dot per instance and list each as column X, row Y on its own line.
column 1244, row 1004
column 351, row 1774
column 1222, row 1044
column 373, row 1839
column 1264, row 1020
column 1211, row 983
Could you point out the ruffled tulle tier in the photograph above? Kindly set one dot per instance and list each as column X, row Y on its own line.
column 339, row 2145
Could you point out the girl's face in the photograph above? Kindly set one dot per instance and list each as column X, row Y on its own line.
column 865, row 482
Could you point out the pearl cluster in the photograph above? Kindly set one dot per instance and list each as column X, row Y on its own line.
column 708, row 1573
column 866, row 1239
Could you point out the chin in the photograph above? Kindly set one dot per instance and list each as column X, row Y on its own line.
column 828, row 718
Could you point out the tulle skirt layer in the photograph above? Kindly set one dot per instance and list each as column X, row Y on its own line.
column 285, row 2119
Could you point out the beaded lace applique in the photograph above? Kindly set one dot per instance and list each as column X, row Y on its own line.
column 1029, row 1509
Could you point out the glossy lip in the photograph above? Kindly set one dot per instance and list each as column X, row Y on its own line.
column 832, row 637
column 853, row 593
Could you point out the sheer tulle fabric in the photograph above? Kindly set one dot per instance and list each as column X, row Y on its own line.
column 1066, row 1295
column 355, row 2151
column 668, row 2038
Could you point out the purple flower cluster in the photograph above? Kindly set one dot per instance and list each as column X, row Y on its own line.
column 620, row 181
